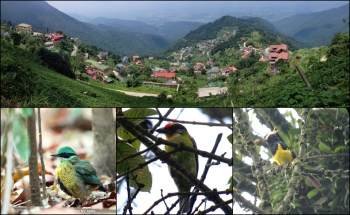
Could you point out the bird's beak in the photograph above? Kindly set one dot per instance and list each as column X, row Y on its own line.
column 163, row 131
column 55, row 155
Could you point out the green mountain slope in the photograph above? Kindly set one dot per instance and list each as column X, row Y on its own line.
column 210, row 31
column 26, row 83
column 42, row 16
column 316, row 29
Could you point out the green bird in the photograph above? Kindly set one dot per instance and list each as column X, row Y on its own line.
column 76, row 177
column 177, row 133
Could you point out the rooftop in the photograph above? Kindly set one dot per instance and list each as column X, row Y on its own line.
column 24, row 25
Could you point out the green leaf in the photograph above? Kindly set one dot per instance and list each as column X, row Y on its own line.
column 125, row 135
column 333, row 204
column 139, row 112
column 142, row 176
column 345, row 148
column 230, row 181
column 134, row 112
column 324, row 147
column 312, row 193
column 294, row 131
column 292, row 101
column 20, row 137
column 14, row 74
column 230, row 138
column 27, row 111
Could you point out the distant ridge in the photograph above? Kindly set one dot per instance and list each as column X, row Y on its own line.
column 41, row 15
column 316, row 29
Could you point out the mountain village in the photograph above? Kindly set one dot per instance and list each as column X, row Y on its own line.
column 178, row 61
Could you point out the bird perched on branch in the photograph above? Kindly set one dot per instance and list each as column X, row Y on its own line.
column 177, row 133
column 76, row 177
column 282, row 154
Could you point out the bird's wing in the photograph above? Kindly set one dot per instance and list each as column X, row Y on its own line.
column 195, row 146
column 86, row 172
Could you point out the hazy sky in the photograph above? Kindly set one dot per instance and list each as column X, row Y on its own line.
column 134, row 9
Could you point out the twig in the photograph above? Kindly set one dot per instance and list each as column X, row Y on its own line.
column 175, row 120
column 189, row 194
column 214, row 207
column 141, row 165
column 128, row 206
column 206, row 169
column 137, row 153
column 161, row 193
column 41, row 156
column 8, row 178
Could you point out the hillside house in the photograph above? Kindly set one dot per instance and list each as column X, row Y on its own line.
column 49, row 44
column 225, row 71
column 5, row 34
column 232, row 68
column 213, row 73
column 56, row 37
column 125, row 59
column 246, row 54
column 211, row 64
column 24, row 27
column 186, row 64
column 102, row 55
column 150, row 58
column 135, row 57
column 37, row 33
column 86, row 56
column 172, row 70
column 164, row 75
column 277, row 52
column 138, row 62
column 91, row 73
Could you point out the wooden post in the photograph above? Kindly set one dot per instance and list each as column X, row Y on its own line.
column 303, row 76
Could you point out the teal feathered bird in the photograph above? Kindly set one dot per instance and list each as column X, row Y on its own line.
column 177, row 133
column 76, row 177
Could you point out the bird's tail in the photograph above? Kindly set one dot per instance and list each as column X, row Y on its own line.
column 184, row 203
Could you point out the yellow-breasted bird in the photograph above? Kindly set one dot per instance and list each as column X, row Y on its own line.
column 177, row 133
column 76, row 177
column 282, row 154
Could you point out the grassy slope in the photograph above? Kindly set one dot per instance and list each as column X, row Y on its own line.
column 57, row 90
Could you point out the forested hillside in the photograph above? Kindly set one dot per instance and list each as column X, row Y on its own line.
column 315, row 29
column 43, row 17
column 209, row 31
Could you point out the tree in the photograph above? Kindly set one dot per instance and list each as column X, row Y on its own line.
column 103, row 128
column 314, row 127
column 147, row 71
column 204, row 72
column 153, row 173
column 78, row 63
column 190, row 72
column 16, row 38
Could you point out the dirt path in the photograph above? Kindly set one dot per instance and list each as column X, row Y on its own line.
column 137, row 94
